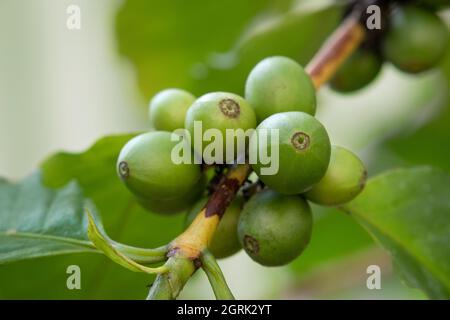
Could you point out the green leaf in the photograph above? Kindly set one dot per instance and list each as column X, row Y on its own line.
column 36, row 221
column 122, row 217
column 40, row 222
column 94, row 172
column 408, row 212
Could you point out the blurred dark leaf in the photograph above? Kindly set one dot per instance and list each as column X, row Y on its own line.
column 297, row 33
column 408, row 212
column 197, row 45
column 36, row 221
column 164, row 39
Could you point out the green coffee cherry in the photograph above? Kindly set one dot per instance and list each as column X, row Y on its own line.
column 358, row 71
column 146, row 168
column 167, row 109
column 416, row 40
column 344, row 180
column 279, row 84
column 219, row 111
column 304, row 151
column 274, row 229
column 176, row 204
column 225, row 241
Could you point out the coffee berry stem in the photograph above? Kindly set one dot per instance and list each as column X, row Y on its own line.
column 141, row 255
column 215, row 277
column 188, row 251
column 200, row 232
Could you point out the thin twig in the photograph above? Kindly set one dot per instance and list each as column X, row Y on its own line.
column 335, row 50
column 215, row 277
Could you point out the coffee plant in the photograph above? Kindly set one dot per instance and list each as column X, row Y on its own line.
column 260, row 194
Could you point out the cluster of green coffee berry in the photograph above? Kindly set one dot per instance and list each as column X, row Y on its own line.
column 415, row 39
column 274, row 224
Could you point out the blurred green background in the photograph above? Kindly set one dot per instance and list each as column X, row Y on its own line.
column 63, row 89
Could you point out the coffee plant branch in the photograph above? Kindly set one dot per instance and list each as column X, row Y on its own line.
column 185, row 253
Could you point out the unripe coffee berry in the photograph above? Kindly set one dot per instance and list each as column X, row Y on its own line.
column 219, row 111
column 146, row 168
column 344, row 180
column 167, row 109
column 225, row 241
column 279, row 84
column 176, row 204
column 299, row 149
column 274, row 229
column 358, row 71
column 416, row 40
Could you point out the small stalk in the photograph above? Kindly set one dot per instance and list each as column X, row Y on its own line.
column 339, row 46
column 215, row 277
column 168, row 286
column 141, row 255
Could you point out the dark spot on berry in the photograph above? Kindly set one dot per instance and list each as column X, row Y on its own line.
column 124, row 170
column 229, row 108
column 300, row 141
column 362, row 181
column 251, row 244
column 413, row 66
